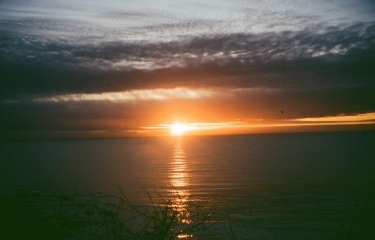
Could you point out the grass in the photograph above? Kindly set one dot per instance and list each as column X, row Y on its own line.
column 35, row 215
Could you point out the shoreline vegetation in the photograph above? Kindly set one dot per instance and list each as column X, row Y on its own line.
column 38, row 215
column 60, row 216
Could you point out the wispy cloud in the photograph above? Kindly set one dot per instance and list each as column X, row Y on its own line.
column 196, row 125
column 341, row 118
column 134, row 95
column 165, row 21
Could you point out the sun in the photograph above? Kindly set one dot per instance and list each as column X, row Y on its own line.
column 178, row 129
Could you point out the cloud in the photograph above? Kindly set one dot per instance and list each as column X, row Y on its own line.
column 332, row 56
column 163, row 20
column 365, row 117
column 89, row 72
column 126, row 96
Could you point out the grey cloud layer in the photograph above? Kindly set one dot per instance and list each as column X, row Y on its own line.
column 165, row 20
column 315, row 57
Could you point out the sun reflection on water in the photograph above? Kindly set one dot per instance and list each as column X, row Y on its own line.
column 179, row 181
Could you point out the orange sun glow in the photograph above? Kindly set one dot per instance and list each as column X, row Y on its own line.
column 178, row 129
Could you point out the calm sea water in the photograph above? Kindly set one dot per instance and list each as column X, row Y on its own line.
column 281, row 185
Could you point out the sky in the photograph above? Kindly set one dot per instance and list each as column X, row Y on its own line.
column 132, row 68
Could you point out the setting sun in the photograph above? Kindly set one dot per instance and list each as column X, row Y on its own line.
column 178, row 129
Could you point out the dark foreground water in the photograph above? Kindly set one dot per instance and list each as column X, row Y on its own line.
column 280, row 186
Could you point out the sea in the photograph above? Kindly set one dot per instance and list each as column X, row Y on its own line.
column 266, row 186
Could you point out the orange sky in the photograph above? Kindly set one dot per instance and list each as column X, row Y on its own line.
column 360, row 121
